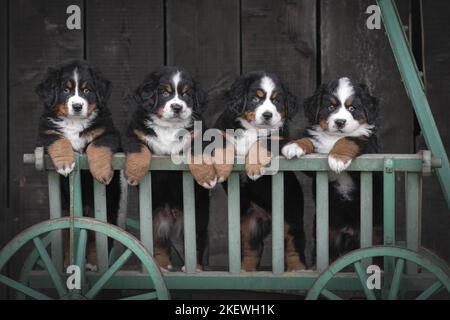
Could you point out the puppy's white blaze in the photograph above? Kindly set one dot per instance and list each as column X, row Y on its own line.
column 344, row 90
column 168, row 112
column 268, row 85
column 76, row 98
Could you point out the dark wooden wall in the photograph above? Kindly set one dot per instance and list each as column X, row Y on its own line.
column 304, row 41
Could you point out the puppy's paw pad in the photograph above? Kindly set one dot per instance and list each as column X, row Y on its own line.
column 338, row 165
column 292, row 150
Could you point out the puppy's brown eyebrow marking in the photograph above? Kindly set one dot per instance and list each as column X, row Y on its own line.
column 274, row 95
column 168, row 88
column 185, row 89
column 84, row 85
column 69, row 84
column 348, row 102
column 333, row 101
column 260, row 93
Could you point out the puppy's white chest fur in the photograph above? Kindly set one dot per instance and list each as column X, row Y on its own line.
column 323, row 143
column 244, row 141
column 71, row 129
column 168, row 140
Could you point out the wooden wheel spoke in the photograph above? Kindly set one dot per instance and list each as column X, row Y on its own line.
column 50, row 267
column 330, row 295
column 363, row 278
column 108, row 274
column 435, row 287
column 144, row 296
column 23, row 288
column 80, row 259
column 396, row 279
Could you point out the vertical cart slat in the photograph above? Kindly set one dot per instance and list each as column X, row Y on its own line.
column 101, row 241
column 366, row 212
column 145, row 212
column 413, row 184
column 234, row 223
column 322, row 220
column 388, row 220
column 278, row 223
column 54, row 197
column 190, row 246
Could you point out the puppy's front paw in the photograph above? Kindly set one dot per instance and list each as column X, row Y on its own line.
column 203, row 171
column 338, row 163
column 137, row 165
column 255, row 171
column 223, row 171
column 64, row 166
column 99, row 159
column 292, row 150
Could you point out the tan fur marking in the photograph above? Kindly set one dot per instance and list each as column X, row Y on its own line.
column 323, row 124
column 91, row 108
column 99, row 159
column 61, row 110
column 257, row 158
column 348, row 102
column 224, row 159
column 202, row 169
column 249, row 116
column 185, row 89
column 159, row 111
column 306, row 145
column 344, row 150
column 137, row 165
column 362, row 121
column 61, row 153
column 168, row 88
column 83, row 85
column 333, row 101
column 260, row 93
column 93, row 134
column 274, row 95
column 51, row 132
column 291, row 256
column 250, row 256
column 69, row 84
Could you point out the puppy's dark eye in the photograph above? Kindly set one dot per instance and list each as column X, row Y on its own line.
column 331, row 107
column 86, row 90
column 255, row 99
column 351, row 109
column 66, row 90
column 165, row 94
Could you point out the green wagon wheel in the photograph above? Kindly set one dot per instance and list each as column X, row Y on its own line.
column 401, row 256
column 38, row 235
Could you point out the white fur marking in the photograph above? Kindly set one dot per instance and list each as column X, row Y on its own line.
column 292, row 150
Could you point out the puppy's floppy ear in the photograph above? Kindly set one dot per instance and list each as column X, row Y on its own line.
column 312, row 104
column 102, row 86
column 237, row 96
column 146, row 95
column 290, row 103
column 48, row 89
column 370, row 104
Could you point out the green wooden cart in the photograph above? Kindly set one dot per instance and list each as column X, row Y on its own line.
column 407, row 271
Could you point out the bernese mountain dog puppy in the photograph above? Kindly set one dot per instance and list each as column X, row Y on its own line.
column 167, row 104
column 76, row 119
column 257, row 105
column 342, row 116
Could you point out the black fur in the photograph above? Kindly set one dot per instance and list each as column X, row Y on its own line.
column 344, row 212
column 167, row 186
column 51, row 92
column 258, row 194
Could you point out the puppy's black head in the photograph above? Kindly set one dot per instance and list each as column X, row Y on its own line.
column 261, row 100
column 170, row 94
column 74, row 89
column 342, row 108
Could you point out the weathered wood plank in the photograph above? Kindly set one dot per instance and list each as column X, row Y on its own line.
column 39, row 38
column 203, row 37
column 4, row 218
column 436, row 49
column 124, row 40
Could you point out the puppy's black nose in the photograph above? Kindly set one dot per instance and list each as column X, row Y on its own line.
column 267, row 115
column 77, row 107
column 340, row 123
column 176, row 108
